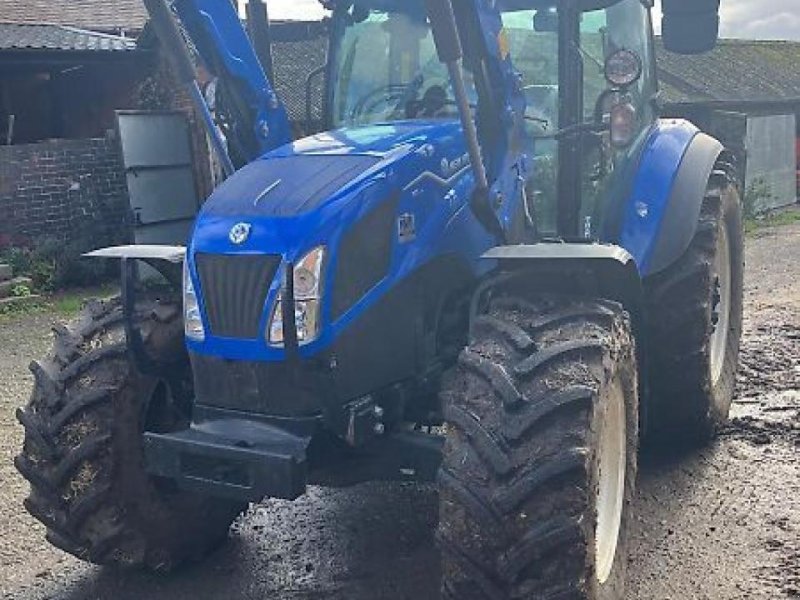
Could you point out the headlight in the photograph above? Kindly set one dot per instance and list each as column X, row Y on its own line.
column 307, row 301
column 192, row 321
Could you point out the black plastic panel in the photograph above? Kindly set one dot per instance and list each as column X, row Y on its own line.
column 234, row 289
column 364, row 256
column 279, row 389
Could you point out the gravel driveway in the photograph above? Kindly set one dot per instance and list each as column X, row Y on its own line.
column 720, row 524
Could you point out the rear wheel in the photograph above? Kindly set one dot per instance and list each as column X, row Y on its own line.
column 83, row 444
column 695, row 323
column 539, row 465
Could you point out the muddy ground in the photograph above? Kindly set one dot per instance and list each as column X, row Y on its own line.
column 720, row 524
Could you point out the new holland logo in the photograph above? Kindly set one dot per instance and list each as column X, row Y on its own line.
column 240, row 233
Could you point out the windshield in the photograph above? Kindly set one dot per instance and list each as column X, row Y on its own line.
column 387, row 69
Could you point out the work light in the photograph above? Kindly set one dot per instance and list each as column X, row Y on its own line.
column 307, row 301
column 192, row 320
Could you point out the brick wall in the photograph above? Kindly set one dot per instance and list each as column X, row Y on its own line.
column 63, row 190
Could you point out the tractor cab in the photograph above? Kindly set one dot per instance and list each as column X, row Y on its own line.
column 586, row 73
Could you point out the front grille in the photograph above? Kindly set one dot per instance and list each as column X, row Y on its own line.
column 234, row 289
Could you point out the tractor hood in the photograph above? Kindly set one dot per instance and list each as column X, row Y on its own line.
column 318, row 185
column 378, row 202
column 303, row 176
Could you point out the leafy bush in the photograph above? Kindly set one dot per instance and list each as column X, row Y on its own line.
column 21, row 291
column 18, row 258
column 54, row 265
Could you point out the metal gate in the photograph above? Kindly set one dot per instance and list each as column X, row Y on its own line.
column 157, row 156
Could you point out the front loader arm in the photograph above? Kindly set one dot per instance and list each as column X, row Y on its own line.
column 255, row 121
column 471, row 32
column 259, row 119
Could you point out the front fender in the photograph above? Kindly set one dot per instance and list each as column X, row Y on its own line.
column 594, row 270
column 172, row 254
column 661, row 215
column 601, row 270
column 167, row 260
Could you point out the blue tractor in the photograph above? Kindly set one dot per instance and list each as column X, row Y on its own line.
column 497, row 270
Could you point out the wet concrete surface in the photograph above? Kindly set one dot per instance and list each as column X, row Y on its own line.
column 719, row 524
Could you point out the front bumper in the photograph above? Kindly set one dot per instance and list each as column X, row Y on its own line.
column 238, row 457
column 233, row 458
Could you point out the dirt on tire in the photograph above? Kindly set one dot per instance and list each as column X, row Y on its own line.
column 688, row 401
column 526, row 408
column 83, row 452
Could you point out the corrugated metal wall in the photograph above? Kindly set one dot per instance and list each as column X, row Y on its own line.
column 771, row 161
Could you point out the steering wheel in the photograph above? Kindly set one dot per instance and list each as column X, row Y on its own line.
column 433, row 101
column 387, row 94
column 542, row 102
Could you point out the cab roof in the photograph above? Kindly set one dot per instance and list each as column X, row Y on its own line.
column 418, row 6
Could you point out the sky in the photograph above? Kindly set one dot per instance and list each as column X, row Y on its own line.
column 740, row 18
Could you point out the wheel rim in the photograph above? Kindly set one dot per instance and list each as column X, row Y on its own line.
column 721, row 311
column 611, row 488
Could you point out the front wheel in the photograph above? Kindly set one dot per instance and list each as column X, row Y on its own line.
column 539, row 465
column 83, row 444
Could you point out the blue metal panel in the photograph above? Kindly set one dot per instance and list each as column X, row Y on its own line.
column 321, row 169
column 661, row 159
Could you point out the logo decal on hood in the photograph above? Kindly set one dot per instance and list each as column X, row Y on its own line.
column 240, row 233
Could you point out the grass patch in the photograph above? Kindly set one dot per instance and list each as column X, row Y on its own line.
column 63, row 304
column 70, row 303
column 778, row 218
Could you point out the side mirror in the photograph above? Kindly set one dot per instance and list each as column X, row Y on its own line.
column 690, row 26
column 445, row 31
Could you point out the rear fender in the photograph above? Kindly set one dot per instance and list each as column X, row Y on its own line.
column 661, row 215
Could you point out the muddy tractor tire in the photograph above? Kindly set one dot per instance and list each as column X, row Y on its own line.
column 694, row 313
column 83, row 454
column 540, row 459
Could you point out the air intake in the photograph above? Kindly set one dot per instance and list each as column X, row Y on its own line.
column 234, row 290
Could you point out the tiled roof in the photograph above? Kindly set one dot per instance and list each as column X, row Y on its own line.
column 96, row 15
column 736, row 71
column 14, row 36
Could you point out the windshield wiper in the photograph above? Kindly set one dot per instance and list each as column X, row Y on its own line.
column 585, row 53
